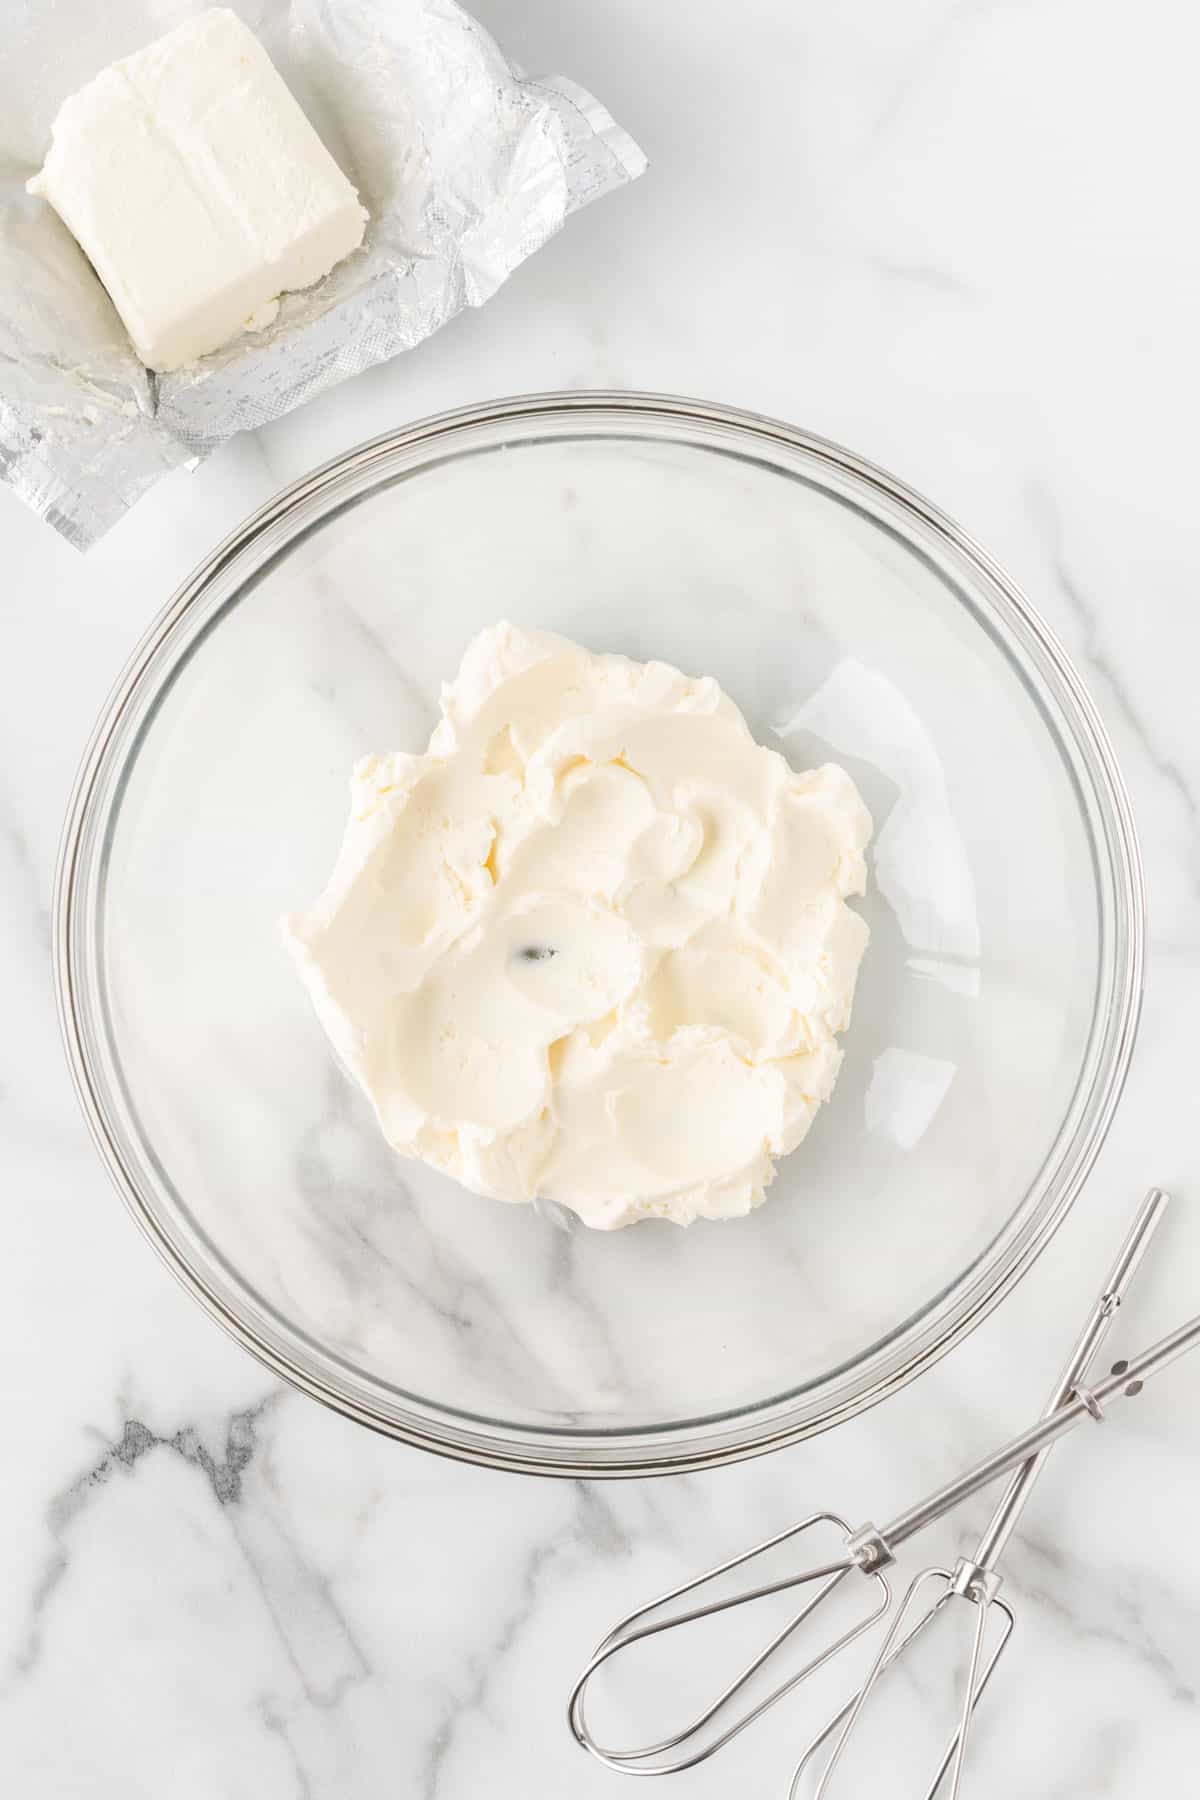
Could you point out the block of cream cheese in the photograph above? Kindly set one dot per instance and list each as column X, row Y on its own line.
column 198, row 189
column 593, row 944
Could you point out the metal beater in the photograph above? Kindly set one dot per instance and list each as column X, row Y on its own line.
column 974, row 1580
column 868, row 1551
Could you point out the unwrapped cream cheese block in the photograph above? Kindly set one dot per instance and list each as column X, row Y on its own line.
column 594, row 944
column 198, row 189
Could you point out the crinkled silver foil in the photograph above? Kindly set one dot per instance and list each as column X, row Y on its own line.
column 466, row 167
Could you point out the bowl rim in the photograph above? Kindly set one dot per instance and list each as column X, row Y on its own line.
column 650, row 1451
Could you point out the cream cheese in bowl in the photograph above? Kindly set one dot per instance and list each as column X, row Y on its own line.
column 594, row 944
column 850, row 623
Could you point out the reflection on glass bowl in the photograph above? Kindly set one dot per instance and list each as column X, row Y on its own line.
column 851, row 622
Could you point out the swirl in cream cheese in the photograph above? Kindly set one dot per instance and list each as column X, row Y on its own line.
column 593, row 944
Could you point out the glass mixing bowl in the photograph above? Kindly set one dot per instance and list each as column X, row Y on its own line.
column 850, row 620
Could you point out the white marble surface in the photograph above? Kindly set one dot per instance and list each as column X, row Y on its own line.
column 956, row 236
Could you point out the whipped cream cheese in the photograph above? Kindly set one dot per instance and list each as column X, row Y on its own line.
column 199, row 190
column 594, row 944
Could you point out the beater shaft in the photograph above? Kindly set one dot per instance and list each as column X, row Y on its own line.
column 1146, row 1221
column 1127, row 1382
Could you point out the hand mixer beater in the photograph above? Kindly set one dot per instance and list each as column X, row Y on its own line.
column 868, row 1551
column 974, row 1580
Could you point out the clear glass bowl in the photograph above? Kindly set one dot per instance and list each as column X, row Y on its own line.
column 850, row 620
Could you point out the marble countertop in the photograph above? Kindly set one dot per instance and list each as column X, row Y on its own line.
column 956, row 236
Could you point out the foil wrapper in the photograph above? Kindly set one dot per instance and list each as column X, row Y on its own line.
column 465, row 164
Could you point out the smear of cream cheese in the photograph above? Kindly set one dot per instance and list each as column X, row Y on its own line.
column 594, row 944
